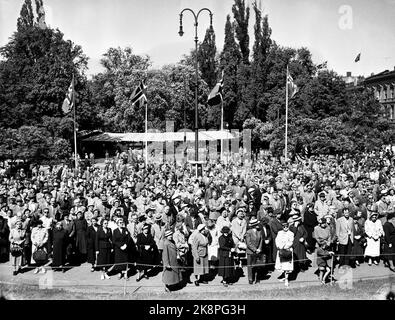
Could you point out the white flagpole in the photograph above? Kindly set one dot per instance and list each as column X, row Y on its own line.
column 286, row 117
column 146, row 131
column 75, row 130
column 222, row 127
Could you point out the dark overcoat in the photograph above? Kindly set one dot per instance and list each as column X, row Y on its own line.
column 226, row 262
column 171, row 271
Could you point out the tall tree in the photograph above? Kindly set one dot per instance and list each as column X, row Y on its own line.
column 229, row 62
column 26, row 19
column 207, row 58
column 241, row 15
column 112, row 89
column 259, row 66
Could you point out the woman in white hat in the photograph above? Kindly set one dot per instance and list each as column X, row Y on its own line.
column 171, row 270
column 374, row 231
column 284, row 260
column 200, row 254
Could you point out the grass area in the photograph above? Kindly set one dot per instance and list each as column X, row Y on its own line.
column 361, row 290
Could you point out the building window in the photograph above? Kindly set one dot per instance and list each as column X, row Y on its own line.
column 392, row 107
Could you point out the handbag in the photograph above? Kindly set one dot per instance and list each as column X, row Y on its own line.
column 40, row 256
column 242, row 246
column 285, row 255
column 16, row 250
column 322, row 253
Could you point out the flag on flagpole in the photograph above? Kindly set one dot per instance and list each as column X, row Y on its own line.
column 292, row 87
column 215, row 96
column 358, row 57
column 139, row 93
column 68, row 102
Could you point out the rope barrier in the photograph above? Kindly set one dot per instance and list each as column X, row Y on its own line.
column 135, row 264
column 104, row 284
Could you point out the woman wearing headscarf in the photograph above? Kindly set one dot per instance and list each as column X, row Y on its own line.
column 147, row 249
column 200, row 254
column 91, row 241
column 171, row 269
column 284, row 259
column 103, row 247
column 226, row 262
column 17, row 239
column 299, row 248
column 59, row 246
column 374, row 231
column 121, row 241
column 81, row 227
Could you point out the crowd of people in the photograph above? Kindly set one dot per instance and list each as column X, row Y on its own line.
column 125, row 219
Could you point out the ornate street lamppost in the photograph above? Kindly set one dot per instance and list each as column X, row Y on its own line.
column 181, row 32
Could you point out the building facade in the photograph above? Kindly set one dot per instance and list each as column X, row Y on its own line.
column 383, row 85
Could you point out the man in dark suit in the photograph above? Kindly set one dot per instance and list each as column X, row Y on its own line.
column 254, row 250
column 267, row 245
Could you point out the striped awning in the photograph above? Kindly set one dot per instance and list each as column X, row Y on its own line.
column 161, row 136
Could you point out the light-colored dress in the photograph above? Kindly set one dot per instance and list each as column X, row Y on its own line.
column 213, row 246
column 284, row 240
column 373, row 230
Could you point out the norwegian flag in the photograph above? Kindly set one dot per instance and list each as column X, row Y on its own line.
column 68, row 102
column 139, row 93
column 292, row 87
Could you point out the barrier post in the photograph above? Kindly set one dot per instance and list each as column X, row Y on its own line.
column 124, row 279
column 333, row 256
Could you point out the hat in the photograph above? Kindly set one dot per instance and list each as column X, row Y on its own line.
column 175, row 196
column 322, row 194
column 373, row 213
column 158, row 217
column 225, row 229
column 322, row 220
column 184, row 205
column 240, row 209
column 283, row 222
column 146, row 226
column 168, row 233
column 328, row 215
column 251, row 189
column 177, row 200
column 253, row 223
column 201, row 227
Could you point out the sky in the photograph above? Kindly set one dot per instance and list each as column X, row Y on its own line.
column 333, row 30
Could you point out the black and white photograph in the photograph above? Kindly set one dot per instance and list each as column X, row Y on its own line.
column 197, row 150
